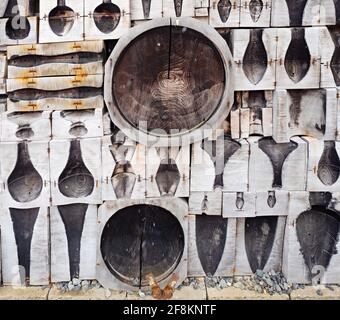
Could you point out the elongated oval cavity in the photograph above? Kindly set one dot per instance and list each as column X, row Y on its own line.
column 259, row 236
column 317, row 231
column 146, row 8
column 296, row 9
column 298, row 58
column 335, row 62
column 224, row 9
column 61, row 20
column 107, row 17
column 24, row 183
column 17, row 28
column 211, row 235
column 168, row 177
column 329, row 164
column 255, row 60
column 255, row 8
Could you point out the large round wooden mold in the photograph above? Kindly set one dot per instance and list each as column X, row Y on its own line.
column 168, row 81
column 141, row 237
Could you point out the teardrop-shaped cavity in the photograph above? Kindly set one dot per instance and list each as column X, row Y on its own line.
column 123, row 180
column 220, row 151
column 271, row 200
column 178, row 7
column 255, row 8
column 76, row 181
column 17, row 28
column 277, row 153
column 255, row 60
column 211, row 235
column 239, row 200
column 259, row 236
column 78, row 129
column 168, row 177
column 335, row 62
column 146, row 8
column 317, row 231
column 298, row 58
column 106, row 17
column 24, row 132
column 24, row 183
column 73, row 217
column 296, row 9
column 329, row 164
column 224, row 9
column 23, row 225
column 61, row 19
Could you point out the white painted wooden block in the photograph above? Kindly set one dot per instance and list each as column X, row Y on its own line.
column 123, row 169
column 272, row 203
column 328, row 13
column 73, row 242
column 113, row 212
column 323, row 165
column 201, row 261
column 168, row 172
column 204, row 173
column 202, row 3
column 18, row 126
column 305, row 113
column 59, row 23
column 22, row 162
column 99, row 26
column 82, row 92
column 294, row 168
column 259, row 244
column 146, row 9
column 255, row 47
column 11, row 39
column 298, row 58
column 209, row 203
column 255, row 14
column 235, row 125
column 239, row 204
column 224, row 13
column 77, row 174
column 202, row 14
column 107, row 123
column 179, row 8
column 24, row 239
column 70, row 124
column 56, row 59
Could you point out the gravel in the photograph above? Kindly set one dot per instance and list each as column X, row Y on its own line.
column 77, row 285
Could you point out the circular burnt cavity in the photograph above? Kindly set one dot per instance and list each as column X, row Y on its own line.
column 139, row 240
column 106, row 17
column 17, row 28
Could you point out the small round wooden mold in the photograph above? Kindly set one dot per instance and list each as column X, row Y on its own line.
column 169, row 82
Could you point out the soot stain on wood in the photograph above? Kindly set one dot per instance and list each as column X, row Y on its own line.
column 335, row 62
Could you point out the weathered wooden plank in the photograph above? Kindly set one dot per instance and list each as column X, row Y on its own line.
column 224, row 13
column 209, row 203
column 255, row 13
column 239, row 204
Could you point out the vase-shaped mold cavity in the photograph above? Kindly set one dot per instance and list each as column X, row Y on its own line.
column 211, row 235
column 329, row 164
column 61, row 19
column 255, row 9
column 24, row 183
column 17, row 28
column 296, row 9
column 168, row 177
column 297, row 59
column 335, row 62
column 220, row 151
column 259, row 236
column 76, row 181
column 73, row 217
column 317, row 232
column 224, row 9
column 107, row 16
column 277, row 153
column 146, row 8
column 255, row 60
column 23, row 225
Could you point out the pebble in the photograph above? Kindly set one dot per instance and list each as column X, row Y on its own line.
column 108, row 293
column 319, row 292
column 76, row 281
column 70, row 286
column 223, row 284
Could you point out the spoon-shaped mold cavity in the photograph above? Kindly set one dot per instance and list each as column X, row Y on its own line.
column 107, row 16
column 317, row 232
column 73, row 217
column 296, row 9
column 259, row 236
column 298, row 58
column 146, row 8
column 220, row 151
column 23, row 225
column 61, row 19
column 224, row 9
column 24, row 183
column 255, row 60
column 178, row 7
column 255, row 8
column 211, row 235
column 76, row 181
column 329, row 164
column 277, row 153
column 335, row 62
column 271, row 200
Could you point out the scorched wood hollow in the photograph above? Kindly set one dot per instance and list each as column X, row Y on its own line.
column 169, row 80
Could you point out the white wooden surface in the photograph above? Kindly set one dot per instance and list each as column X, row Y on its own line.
column 137, row 12
column 188, row 8
column 239, row 204
column 233, row 20
column 209, row 203
column 327, row 15
column 263, row 20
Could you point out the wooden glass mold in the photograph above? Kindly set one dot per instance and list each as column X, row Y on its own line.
column 335, row 62
column 76, row 181
column 224, row 9
column 255, row 9
column 24, row 183
column 256, row 101
column 18, row 27
column 23, row 120
column 139, row 240
column 296, row 9
column 77, row 119
column 61, row 19
column 329, row 164
column 107, row 16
